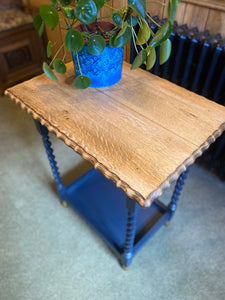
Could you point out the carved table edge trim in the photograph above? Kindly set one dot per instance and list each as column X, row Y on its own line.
column 183, row 167
column 130, row 192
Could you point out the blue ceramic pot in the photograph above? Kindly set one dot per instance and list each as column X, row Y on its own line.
column 103, row 70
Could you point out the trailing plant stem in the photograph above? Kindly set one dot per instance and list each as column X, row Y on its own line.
column 64, row 56
column 63, row 26
column 135, row 47
column 106, row 16
column 78, row 62
column 157, row 2
column 111, row 7
column 136, row 38
column 60, row 48
column 148, row 16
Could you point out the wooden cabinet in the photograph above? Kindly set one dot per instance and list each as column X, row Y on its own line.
column 21, row 55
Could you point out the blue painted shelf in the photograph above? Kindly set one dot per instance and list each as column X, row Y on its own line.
column 120, row 221
column 103, row 206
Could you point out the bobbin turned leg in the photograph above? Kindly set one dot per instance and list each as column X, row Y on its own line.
column 51, row 157
column 127, row 256
column 175, row 197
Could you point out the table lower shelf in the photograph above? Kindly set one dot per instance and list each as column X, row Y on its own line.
column 103, row 206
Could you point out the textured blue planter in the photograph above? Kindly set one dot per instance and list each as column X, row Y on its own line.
column 103, row 70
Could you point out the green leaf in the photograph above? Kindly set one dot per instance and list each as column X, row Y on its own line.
column 161, row 35
column 86, row 11
column 68, row 12
column 117, row 20
column 131, row 21
column 41, row 29
column 172, row 6
column 85, row 34
column 82, row 82
column 65, row 2
column 165, row 50
column 124, row 39
column 96, row 45
column 122, row 11
column 122, row 31
column 176, row 2
column 112, row 40
column 151, row 59
column 139, row 6
column 48, row 72
column 99, row 3
column 49, row 15
column 74, row 41
column 59, row 66
column 144, row 33
column 37, row 20
column 139, row 59
column 54, row 3
column 49, row 49
column 38, row 24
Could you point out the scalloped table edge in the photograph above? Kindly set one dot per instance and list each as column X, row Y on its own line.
column 131, row 193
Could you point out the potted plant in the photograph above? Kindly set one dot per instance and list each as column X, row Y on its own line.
column 97, row 46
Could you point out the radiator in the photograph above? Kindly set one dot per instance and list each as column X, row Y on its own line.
column 197, row 63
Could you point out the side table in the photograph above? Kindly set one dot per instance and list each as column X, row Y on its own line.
column 140, row 135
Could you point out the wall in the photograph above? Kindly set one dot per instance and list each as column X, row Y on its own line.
column 206, row 14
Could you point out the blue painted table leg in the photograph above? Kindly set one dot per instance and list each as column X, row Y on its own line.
column 51, row 157
column 175, row 197
column 127, row 256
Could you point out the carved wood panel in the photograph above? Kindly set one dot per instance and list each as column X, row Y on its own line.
column 21, row 55
column 18, row 57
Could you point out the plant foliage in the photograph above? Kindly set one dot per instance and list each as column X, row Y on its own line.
column 69, row 13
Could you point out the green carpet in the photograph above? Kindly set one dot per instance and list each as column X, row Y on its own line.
column 47, row 252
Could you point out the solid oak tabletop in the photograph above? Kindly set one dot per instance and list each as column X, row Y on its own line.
column 141, row 133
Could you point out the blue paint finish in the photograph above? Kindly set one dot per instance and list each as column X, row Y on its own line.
column 220, row 85
column 215, row 59
column 48, row 147
column 183, row 40
column 175, row 197
column 119, row 220
column 216, row 154
column 115, row 218
column 105, row 208
column 177, row 62
column 103, row 70
column 208, row 44
column 127, row 255
column 158, row 216
column 102, row 205
column 166, row 65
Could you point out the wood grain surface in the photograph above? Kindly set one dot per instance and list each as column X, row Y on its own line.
column 141, row 133
column 205, row 14
column 216, row 22
column 215, row 4
column 192, row 14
